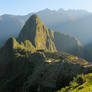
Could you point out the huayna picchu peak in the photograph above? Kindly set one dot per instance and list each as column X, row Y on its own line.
column 35, row 31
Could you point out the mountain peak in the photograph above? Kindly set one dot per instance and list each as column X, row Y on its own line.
column 35, row 31
column 35, row 16
column 31, row 27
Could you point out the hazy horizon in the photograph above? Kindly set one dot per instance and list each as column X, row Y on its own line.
column 43, row 10
column 23, row 7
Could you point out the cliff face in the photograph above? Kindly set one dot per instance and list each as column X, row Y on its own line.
column 35, row 31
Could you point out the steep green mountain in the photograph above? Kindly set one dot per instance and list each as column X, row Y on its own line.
column 35, row 31
column 43, row 38
column 74, row 22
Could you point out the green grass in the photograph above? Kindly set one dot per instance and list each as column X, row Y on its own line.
column 84, row 85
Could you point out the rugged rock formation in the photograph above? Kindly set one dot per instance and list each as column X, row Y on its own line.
column 35, row 31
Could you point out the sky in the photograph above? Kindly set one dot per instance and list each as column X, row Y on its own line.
column 23, row 7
